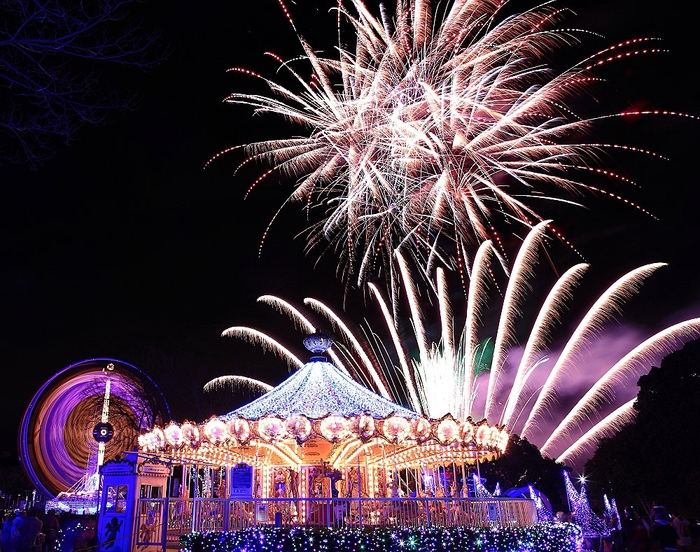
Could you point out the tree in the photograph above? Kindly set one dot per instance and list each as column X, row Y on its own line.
column 656, row 457
column 52, row 55
column 523, row 465
column 13, row 480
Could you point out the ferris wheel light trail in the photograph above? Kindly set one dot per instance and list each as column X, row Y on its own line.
column 56, row 440
column 104, row 418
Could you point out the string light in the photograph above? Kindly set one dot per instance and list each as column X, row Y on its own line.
column 544, row 537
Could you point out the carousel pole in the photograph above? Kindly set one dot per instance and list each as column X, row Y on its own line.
column 370, row 480
column 359, row 486
column 454, row 476
column 386, row 487
column 397, row 475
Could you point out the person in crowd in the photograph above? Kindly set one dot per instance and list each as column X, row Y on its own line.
column 682, row 528
column 663, row 535
column 615, row 533
column 30, row 535
column 636, row 532
column 6, row 533
column 51, row 528
column 14, row 530
column 659, row 515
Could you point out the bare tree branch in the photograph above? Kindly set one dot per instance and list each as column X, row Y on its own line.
column 52, row 56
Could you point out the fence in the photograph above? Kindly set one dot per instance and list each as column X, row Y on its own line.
column 223, row 514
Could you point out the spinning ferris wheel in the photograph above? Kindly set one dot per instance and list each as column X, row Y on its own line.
column 86, row 414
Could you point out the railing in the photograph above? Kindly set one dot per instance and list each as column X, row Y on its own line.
column 223, row 514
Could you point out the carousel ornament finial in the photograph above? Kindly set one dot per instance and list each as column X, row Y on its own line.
column 318, row 343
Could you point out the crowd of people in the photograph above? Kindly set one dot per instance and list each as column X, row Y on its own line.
column 24, row 532
column 660, row 531
column 33, row 530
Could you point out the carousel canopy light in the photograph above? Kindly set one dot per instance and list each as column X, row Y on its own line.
column 318, row 390
column 321, row 402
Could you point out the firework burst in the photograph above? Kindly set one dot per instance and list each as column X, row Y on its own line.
column 471, row 369
column 434, row 128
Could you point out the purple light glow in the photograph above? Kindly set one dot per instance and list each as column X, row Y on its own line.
column 55, row 439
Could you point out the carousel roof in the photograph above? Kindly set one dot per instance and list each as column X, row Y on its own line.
column 320, row 389
column 306, row 416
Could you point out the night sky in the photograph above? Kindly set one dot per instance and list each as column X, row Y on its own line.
column 124, row 246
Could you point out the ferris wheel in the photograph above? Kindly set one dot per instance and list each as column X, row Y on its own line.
column 84, row 415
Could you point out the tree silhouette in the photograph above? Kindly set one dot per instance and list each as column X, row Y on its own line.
column 523, row 465
column 656, row 457
column 52, row 58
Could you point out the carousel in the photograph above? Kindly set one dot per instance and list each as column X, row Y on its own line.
column 322, row 434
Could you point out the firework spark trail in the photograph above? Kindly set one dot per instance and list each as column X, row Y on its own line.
column 515, row 292
column 547, row 317
column 605, row 428
column 299, row 320
column 284, row 307
column 237, row 382
column 446, row 316
column 633, row 364
column 476, row 301
column 443, row 380
column 438, row 124
column 400, row 350
column 379, row 381
column 439, row 389
column 605, row 307
column 416, row 314
column 432, row 380
column 256, row 337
